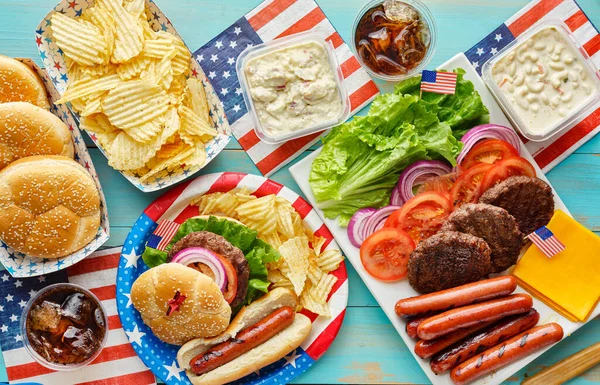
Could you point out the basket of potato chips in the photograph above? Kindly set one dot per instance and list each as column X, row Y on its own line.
column 125, row 72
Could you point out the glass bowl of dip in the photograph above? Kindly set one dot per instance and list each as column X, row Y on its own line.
column 543, row 80
column 293, row 86
column 394, row 39
column 64, row 327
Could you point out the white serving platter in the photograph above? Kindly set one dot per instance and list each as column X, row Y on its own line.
column 387, row 294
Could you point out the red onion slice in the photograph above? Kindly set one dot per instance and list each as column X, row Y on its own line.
column 488, row 131
column 377, row 220
column 356, row 232
column 417, row 173
column 206, row 257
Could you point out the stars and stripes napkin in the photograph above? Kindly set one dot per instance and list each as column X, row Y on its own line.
column 117, row 364
column 551, row 152
column 268, row 21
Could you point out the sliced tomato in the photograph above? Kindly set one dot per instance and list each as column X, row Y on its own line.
column 488, row 151
column 385, row 254
column 504, row 169
column 466, row 188
column 442, row 184
column 421, row 216
column 232, row 281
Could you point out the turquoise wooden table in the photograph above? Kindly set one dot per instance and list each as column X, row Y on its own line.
column 367, row 350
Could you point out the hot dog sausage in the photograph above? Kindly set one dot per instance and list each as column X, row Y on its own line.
column 412, row 324
column 427, row 348
column 484, row 340
column 509, row 351
column 244, row 341
column 456, row 297
column 464, row 317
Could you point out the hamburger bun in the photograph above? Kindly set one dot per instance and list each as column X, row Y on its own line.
column 18, row 83
column 265, row 354
column 49, row 206
column 203, row 313
column 30, row 130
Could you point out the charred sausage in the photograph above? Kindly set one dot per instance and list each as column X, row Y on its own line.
column 509, row 351
column 464, row 317
column 427, row 348
column 412, row 325
column 244, row 341
column 456, row 297
column 484, row 340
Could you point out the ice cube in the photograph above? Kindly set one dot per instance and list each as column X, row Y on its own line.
column 78, row 308
column 99, row 318
column 45, row 316
column 399, row 11
column 82, row 342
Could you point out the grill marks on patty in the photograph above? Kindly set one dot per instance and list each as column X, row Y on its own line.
column 221, row 246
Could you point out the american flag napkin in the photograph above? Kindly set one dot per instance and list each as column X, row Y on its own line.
column 551, row 152
column 117, row 364
column 271, row 20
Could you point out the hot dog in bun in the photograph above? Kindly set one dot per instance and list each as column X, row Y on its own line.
column 261, row 333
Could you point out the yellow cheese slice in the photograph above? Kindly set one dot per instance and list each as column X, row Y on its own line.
column 569, row 282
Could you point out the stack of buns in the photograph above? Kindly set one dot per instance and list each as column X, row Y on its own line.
column 49, row 203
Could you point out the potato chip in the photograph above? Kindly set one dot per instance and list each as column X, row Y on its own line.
column 272, row 239
column 195, row 98
column 314, row 273
column 79, row 40
column 227, row 203
column 103, row 19
column 169, row 150
column 278, row 280
column 164, row 72
column 312, row 305
column 159, row 48
column 244, row 196
column 317, row 244
column 127, row 154
column 329, row 260
column 295, row 253
column 93, row 104
column 135, row 8
column 129, row 35
column 320, row 292
column 134, row 103
column 181, row 61
column 105, row 140
column 168, row 163
column 178, row 85
column 133, row 67
column 89, row 86
column 208, row 204
column 284, row 220
column 259, row 214
column 96, row 123
column 146, row 131
column 196, row 158
column 193, row 124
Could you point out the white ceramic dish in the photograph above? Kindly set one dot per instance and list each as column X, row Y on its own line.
column 387, row 294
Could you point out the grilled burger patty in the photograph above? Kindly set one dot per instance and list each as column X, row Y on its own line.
column 492, row 224
column 448, row 259
column 529, row 200
column 221, row 246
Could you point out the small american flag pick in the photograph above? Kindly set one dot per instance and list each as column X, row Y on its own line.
column 163, row 234
column 546, row 241
column 438, row 82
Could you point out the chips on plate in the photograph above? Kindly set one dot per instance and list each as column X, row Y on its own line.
column 303, row 267
column 131, row 86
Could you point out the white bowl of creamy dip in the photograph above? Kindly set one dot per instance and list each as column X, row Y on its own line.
column 544, row 81
column 293, row 86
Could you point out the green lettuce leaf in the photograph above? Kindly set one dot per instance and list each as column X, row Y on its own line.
column 361, row 160
column 257, row 252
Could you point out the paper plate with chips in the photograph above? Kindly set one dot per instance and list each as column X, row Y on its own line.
column 135, row 87
column 283, row 219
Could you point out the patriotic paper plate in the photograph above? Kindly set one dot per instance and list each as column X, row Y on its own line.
column 21, row 265
column 53, row 60
column 161, row 357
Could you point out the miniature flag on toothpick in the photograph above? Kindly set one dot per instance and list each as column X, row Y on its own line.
column 546, row 241
column 163, row 234
column 438, row 82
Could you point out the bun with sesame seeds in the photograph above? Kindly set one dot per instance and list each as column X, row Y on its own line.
column 49, row 206
column 179, row 303
column 28, row 130
column 18, row 83
column 227, row 357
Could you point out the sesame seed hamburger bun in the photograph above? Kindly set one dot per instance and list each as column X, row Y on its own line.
column 202, row 313
column 30, row 130
column 18, row 83
column 49, row 206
